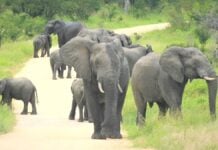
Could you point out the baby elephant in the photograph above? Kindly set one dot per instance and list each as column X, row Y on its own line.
column 77, row 90
column 58, row 65
column 43, row 42
column 20, row 89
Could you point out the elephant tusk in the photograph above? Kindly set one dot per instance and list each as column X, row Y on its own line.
column 119, row 87
column 100, row 87
column 209, row 78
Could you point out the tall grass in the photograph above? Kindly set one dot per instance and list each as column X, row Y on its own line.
column 12, row 58
column 194, row 131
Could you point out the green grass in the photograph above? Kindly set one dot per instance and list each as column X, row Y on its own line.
column 194, row 131
column 122, row 20
column 7, row 119
column 12, row 58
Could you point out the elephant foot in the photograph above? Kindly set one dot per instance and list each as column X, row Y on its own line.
column 109, row 134
column 69, row 77
column 54, row 78
column 80, row 120
column 71, row 118
column 34, row 113
column 36, row 56
column 24, row 113
column 98, row 136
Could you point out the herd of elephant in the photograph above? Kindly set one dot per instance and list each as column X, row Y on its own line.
column 104, row 62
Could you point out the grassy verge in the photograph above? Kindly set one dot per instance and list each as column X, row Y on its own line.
column 12, row 58
column 195, row 131
column 122, row 20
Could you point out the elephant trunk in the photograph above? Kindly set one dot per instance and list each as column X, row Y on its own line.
column 212, row 91
column 111, row 98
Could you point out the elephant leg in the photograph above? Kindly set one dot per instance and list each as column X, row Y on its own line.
column 163, row 107
column 173, row 96
column 80, row 113
column 69, row 72
column 25, row 108
column 141, row 108
column 85, row 112
column 33, row 103
column 48, row 52
column 35, row 55
column 56, row 68
column 73, row 110
column 95, row 109
column 42, row 52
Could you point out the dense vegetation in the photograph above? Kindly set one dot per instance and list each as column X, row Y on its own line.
column 194, row 23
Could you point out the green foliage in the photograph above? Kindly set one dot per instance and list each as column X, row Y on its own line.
column 203, row 35
column 7, row 119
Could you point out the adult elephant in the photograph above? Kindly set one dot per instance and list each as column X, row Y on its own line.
column 64, row 31
column 94, row 34
column 162, row 79
column 134, row 53
column 104, row 70
column 103, row 35
column 43, row 42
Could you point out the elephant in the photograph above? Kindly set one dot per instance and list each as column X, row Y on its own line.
column 64, row 31
column 134, row 53
column 77, row 89
column 57, row 65
column 162, row 79
column 105, row 73
column 43, row 42
column 94, row 34
column 103, row 35
column 20, row 89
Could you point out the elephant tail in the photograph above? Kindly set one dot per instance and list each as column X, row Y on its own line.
column 36, row 96
column 151, row 104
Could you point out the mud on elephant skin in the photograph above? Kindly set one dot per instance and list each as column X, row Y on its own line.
column 64, row 30
column 105, row 74
column 20, row 89
column 57, row 65
column 77, row 89
column 162, row 79
column 43, row 42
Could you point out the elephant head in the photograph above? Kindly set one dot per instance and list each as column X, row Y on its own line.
column 183, row 64
column 54, row 26
column 100, row 65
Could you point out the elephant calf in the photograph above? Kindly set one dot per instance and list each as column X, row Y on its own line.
column 20, row 89
column 79, row 100
column 58, row 65
column 43, row 42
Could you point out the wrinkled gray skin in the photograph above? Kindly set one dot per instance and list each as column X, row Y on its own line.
column 57, row 65
column 134, row 53
column 79, row 100
column 102, row 35
column 43, row 42
column 65, row 31
column 20, row 89
column 162, row 79
column 105, row 74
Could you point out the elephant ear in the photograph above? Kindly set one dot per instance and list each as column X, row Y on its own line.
column 170, row 63
column 76, row 53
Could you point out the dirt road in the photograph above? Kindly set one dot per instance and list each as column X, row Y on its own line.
column 51, row 129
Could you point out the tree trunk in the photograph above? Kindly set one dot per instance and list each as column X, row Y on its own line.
column 126, row 5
